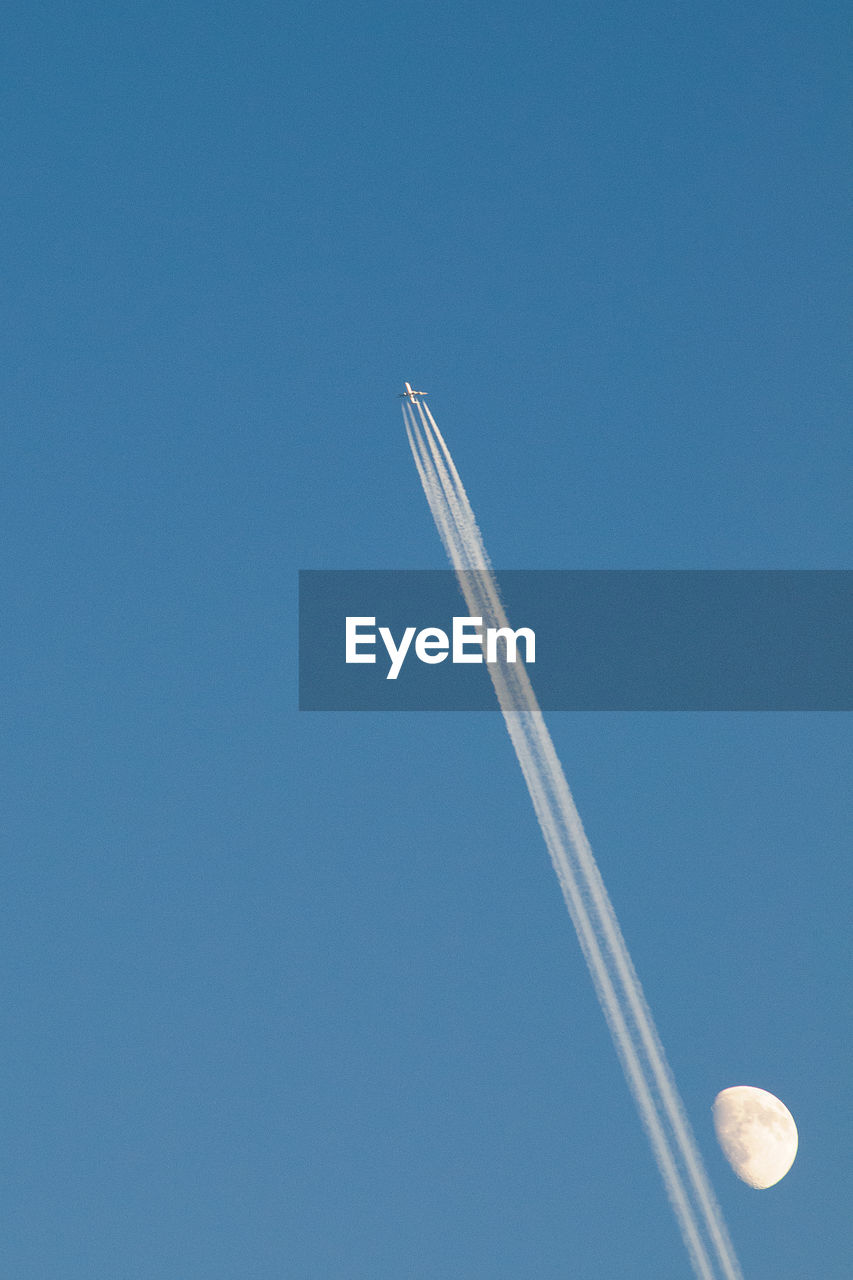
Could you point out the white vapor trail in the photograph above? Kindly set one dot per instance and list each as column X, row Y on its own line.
column 617, row 986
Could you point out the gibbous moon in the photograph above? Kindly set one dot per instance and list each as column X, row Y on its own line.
column 757, row 1134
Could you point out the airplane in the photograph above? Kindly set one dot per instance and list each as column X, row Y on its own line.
column 409, row 394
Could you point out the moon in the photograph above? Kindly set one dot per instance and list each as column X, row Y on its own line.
column 757, row 1134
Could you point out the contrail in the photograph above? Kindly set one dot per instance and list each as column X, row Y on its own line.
column 614, row 978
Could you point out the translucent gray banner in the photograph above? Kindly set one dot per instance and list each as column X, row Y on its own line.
column 609, row 640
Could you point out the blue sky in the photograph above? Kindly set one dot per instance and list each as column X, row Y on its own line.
column 294, row 995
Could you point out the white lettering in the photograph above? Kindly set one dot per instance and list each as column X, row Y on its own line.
column 511, row 638
column 354, row 639
column 396, row 655
column 463, row 637
column 431, row 645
